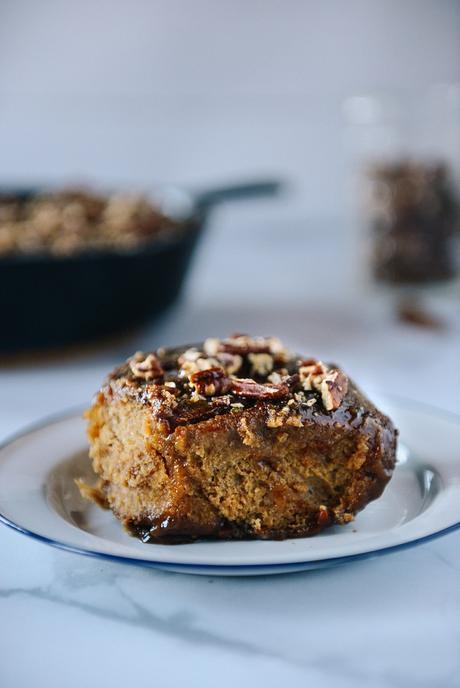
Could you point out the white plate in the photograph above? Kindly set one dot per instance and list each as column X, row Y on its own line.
column 38, row 497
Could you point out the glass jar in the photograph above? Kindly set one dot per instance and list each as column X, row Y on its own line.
column 404, row 157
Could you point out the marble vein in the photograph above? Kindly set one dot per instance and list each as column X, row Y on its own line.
column 180, row 626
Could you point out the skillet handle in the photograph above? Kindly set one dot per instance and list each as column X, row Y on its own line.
column 206, row 200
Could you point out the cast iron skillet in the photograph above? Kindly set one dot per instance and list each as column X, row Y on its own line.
column 48, row 301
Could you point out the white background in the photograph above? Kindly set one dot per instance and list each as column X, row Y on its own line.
column 200, row 91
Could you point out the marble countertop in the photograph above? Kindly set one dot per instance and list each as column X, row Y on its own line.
column 394, row 621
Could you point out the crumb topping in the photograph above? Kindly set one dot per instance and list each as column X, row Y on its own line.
column 70, row 221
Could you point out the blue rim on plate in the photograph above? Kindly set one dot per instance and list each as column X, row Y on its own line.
column 228, row 568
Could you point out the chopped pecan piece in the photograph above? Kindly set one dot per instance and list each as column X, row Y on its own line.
column 189, row 367
column 231, row 363
column 192, row 361
column 212, row 346
column 311, row 373
column 210, row 382
column 243, row 344
column 331, row 383
column 146, row 367
column 261, row 364
column 250, row 388
column 236, row 345
column 225, row 400
column 308, row 362
column 189, row 355
column 333, row 389
column 213, row 381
